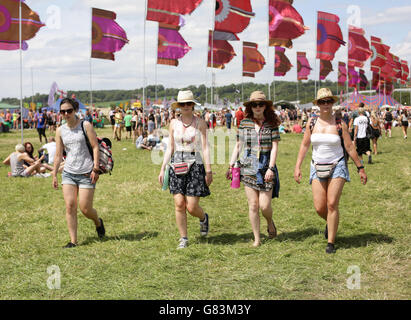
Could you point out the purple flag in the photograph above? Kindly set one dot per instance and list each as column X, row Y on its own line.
column 171, row 45
column 53, row 91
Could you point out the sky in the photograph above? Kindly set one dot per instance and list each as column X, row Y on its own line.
column 61, row 50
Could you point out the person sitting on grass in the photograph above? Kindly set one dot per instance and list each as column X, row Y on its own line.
column 29, row 150
column 16, row 162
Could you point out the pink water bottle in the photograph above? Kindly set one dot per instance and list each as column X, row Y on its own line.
column 235, row 174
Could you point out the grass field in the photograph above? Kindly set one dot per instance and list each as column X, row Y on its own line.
column 138, row 258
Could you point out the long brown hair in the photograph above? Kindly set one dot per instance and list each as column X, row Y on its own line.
column 269, row 115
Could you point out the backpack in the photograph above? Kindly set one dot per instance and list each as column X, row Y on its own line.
column 339, row 129
column 388, row 116
column 106, row 162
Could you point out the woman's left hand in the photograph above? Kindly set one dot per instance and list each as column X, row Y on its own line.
column 209, row 178
column 269, row 176
column 94, row 177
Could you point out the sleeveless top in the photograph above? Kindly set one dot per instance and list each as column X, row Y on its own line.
column 187, row 139
column 17, row 168
column 326, row 147
column 78, row 160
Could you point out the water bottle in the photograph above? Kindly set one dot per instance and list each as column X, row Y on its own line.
column 235, row 176
column 166, row 178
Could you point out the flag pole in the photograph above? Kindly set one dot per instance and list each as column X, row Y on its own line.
column 155, row 68
column 144, row 57
column 21, row 74
column 90, row 66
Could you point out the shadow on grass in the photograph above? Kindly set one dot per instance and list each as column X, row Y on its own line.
column 127, row 237
column 228, row 238
column 362, row 240
column 299, row 235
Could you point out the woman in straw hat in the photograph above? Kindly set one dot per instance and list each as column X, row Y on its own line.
column 330, row 139
column 258, row 135
column 189, row 174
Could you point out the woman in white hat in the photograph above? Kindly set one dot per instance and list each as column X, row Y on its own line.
column 329, row 172
column 258, row 135
column 189, row 174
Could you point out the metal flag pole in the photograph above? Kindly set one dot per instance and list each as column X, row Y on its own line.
column 21, row 74
column 212, row 68
column 268, row 84
column 144, row 58
column 155, row 68
column 91, row 87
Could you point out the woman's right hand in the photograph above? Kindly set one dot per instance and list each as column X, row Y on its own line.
column 55, row 183
column 297, row 175
column 228, row 174
column 161, row 177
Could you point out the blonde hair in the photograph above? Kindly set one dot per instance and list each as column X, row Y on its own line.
column 20, row 148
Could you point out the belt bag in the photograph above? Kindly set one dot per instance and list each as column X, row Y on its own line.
column 181, row 168
column 325, row 170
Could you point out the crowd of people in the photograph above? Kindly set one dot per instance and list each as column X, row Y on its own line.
column 335, row 135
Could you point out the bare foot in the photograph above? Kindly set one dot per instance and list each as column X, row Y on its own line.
column 256, row 244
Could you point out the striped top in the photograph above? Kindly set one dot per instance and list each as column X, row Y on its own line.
column 254, row 140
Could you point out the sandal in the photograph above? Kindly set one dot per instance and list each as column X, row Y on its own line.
column 272, row 235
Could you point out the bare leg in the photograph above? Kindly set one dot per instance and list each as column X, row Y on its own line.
column 320, row 197
column 253, row 213
column 70, row 198
column 86, row 205
column 193, row 207
column 334, row 191
column 265, row 199
column 181, row 216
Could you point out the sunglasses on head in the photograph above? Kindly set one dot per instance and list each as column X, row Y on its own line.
column 326, row 101
column 257, row 104
column 68, row 111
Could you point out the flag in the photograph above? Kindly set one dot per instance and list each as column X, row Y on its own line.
column 231, row 18
column 53, row 90
column 363, row 80
column 329, row 36
column 378, row 58
column 253, row 60
column 223, row 52
column 342, row 73
column 376, row 82
column 107, row 36
column 353, row 77
column 387, row 71
column 358, row 47
column 397, row 68
column 282, row 63
column 285, row 23
column 167, row 11
column 303, row 66
column 10, row 24
column 325, row 68
column 405, row 72
column 171, row 45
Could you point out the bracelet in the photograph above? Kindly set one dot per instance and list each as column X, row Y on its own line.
column 272, row 169
column 359, row 168
column 210, row 172
column 96, row 170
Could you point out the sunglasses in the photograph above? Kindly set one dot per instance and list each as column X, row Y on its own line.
column 68, row 111
column 326, row 101
column 182, row 104
column 258, row 104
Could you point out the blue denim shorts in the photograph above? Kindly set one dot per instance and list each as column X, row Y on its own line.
column 83, row 181
column 340, row 171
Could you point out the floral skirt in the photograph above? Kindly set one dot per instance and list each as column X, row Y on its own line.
column 190, row 184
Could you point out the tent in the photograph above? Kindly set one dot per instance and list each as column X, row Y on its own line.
column 376, row 100
column 56, row 106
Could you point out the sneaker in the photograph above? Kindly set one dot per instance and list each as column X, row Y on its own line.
column 369, row 159
column 326, row 232
column 204, row 226
column 330, row 248
column 101, row 231
column 183, row 243
column 70, row 245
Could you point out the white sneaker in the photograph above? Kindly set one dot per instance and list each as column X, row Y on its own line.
column 183, row 243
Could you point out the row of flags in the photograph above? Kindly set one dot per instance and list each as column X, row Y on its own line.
column 231, row 18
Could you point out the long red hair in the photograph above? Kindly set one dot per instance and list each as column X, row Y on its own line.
column 269, row 115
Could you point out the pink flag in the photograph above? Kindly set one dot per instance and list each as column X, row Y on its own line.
column 171, row 45
column 358, row 47
column 282, row 63
column 303, row 66
column 342, row 73
column 329, row 36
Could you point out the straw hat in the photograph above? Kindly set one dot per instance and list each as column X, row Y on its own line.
column 258, row 96
column 184, row 96
column 324, row 93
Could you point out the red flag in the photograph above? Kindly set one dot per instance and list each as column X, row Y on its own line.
column 169, row 12
column 329, row 36
column 325, row 68
column 363, row 80
column 358, row 47
column 353, row 77
column 231, row 17
column 397, row 68
column 282, row 63
column 223, row 52
column 285, row 23
column 378, row 58
column 253, row 60
column 405, row 72
column 342, row 73
column 387, row 68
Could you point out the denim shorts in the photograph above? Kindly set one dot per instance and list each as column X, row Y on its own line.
column 83, row 181
column 340, row 171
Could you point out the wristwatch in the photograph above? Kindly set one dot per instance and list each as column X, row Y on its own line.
column 272, row 169
column 96, row 170
column 359, row 168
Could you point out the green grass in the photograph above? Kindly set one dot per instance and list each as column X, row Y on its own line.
column 138, row 259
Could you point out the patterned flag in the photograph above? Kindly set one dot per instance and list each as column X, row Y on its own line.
column 376, row 81
column 329, row 36
column 231, row 18
column 358, row 47
column 378, row 58
column 405, row 72
column 285, row 23
column 397, row 68
column 223, row 52
column 342, row 73
column 167, row 11
column 9, row 25
column 353, row 77
column 363, row 80
column 253, row 60
column 107, row 36
column 171, row 45
column 325, row 68
column 303, row 66
column 282, row 63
